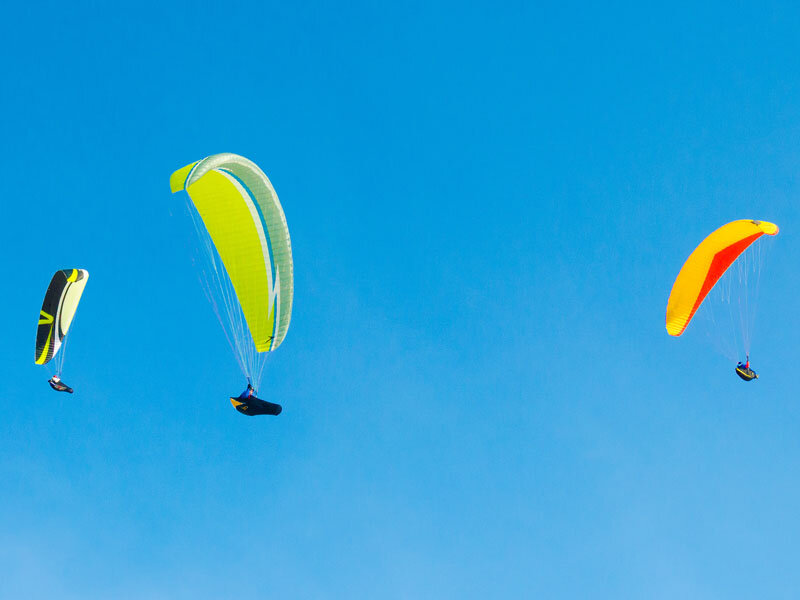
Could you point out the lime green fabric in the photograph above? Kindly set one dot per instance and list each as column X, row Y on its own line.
column 245, row 220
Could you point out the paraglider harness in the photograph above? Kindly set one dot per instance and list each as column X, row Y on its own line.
column 58, row 385
column 248, row 404
column 745, row 372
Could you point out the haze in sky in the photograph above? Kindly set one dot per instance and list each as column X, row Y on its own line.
column 488, row 205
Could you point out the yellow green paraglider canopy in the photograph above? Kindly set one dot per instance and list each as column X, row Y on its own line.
column 245, row 220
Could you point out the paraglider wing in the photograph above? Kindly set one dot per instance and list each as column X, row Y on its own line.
column 58, row 309
column 246, row 223
column 706, row 265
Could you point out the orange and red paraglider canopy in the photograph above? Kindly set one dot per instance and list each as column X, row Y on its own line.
column 706, row 265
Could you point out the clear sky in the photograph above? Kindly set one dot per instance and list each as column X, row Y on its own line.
column 488, row 204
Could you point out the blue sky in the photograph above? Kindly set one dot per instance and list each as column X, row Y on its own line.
column 488, row 206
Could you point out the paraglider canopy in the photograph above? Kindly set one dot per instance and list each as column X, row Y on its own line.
column 244, row 219
column 706, row 265
column 58, row 310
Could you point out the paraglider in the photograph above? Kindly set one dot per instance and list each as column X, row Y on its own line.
column 248, row 404
column 58, row 385
column 745, row 372
column 704, row 268
column 55, row 318
column 248, row 273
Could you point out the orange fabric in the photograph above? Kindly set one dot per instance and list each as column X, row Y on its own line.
column 706, row 265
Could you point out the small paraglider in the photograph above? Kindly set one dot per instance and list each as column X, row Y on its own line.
column 58, row 385
column 55, row 318
column 246, row 261
column 704, row 268
column 744, row 371
column 248, row 404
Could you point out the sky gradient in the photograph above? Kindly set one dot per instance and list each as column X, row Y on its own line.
column 488, row 205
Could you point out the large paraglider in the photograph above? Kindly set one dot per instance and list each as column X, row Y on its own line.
column 58, row 310
column 247, row 266
column 704, row 268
